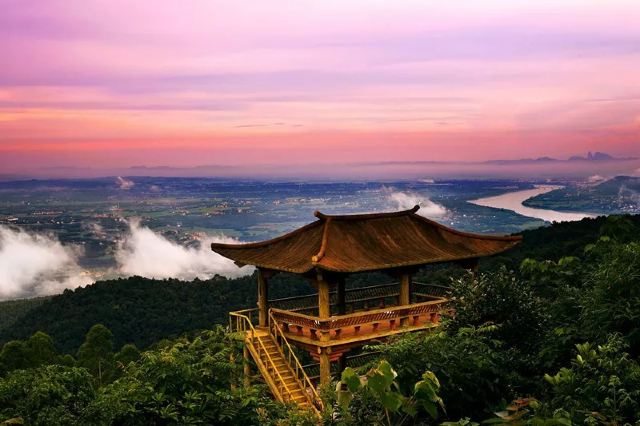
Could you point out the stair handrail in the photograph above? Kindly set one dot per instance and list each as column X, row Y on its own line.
column 241, row 318
column 301, row 375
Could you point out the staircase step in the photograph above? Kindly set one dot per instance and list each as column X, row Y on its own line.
column 300, row 399
column 280, row 364
column 274, row 356
column 284, row 374
column 279, row 371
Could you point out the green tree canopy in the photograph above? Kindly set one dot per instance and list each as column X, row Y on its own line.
column 127, row 354
column 40, row 350
column 12, row 356
column 96, row 353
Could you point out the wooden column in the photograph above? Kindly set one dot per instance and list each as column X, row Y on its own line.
column 341, row 297
column 405, row 294
column 324, row 302
column 325, row 366
column 324, row 311
column 263, row 294
column 405, row 289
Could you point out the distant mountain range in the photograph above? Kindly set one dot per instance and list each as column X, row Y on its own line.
column 595, row 156
column 541, row 167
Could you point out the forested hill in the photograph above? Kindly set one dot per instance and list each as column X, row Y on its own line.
column 140, row 310
column 144, row 311
column 567, row 239
column 617, row 195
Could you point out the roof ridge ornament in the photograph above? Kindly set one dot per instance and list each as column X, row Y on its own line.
column 323, row 246
column 324, row 216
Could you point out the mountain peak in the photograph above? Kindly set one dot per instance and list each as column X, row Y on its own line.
column 599, row 156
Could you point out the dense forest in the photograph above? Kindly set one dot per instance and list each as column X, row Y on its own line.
column 143, row 311
column 548, row 333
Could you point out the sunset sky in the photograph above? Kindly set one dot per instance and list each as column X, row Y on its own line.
column 120, row 83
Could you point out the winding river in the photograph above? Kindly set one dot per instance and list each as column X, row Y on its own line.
column 513, row 201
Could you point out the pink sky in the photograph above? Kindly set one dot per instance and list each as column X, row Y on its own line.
column 114, row 84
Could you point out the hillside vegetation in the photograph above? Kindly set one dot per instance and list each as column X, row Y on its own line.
column 13, row 310
column 143, row 311
column 140, row 310
column 554, row 340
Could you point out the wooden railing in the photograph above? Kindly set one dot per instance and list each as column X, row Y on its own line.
column 307, row 386
column 280, row 387
column 422, row 291
column 361, row 298
column 237, row 321
column 331, row 328
column 355, row 299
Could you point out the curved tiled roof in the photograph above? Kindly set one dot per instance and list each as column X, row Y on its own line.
column 365, row 242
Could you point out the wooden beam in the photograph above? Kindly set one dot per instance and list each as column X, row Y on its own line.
column 263, row 293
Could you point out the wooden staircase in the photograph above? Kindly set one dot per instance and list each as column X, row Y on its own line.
column 277, row 373
column 279, row 365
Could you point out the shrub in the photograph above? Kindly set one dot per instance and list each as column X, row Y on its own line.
column 473, row 370
column 47, row 395
column 188, row 382
column 613, row 302
column 602, row 384
column 502, row 299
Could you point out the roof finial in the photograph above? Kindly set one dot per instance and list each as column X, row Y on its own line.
column 415, row 208
column 323, row 245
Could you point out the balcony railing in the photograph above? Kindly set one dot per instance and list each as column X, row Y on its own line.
column 369, row 310
column 360, row 324
column 362, row 298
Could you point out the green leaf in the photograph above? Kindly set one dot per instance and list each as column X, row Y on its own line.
column 351, row 379
column 387, row 371
column 391, row 401
column 377, row 383
column 430, row 408
column 344, row 399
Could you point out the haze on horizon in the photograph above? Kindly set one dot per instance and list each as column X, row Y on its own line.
column 111, row 85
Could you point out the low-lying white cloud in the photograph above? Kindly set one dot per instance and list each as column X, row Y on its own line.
column 405, row 201
column 124, row 183
column 39, row 264
column 35, row 265
column 146, row 253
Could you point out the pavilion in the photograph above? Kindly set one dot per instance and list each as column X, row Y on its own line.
column 335, row 320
